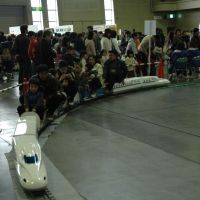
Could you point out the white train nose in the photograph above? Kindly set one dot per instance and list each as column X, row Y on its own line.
column 37, row 184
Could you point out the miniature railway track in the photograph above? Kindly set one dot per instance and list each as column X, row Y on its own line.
column 40, row 195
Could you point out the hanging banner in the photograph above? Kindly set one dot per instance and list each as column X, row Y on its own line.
column 99, row 28
column 16, row 29
column 64, row 29
column 150, row 27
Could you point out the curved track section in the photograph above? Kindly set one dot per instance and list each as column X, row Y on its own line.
column 143, row 145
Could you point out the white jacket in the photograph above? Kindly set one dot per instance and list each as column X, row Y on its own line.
column 106, row 44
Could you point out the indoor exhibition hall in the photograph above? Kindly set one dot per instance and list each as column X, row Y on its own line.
column 99, row 99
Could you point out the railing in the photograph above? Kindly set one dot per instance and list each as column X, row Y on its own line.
column 174, row 5
column 163, row 5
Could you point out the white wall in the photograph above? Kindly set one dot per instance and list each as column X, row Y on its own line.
column 11, row 16
column 14, row 13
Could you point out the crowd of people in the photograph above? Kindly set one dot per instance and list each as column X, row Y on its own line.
column 60, row 66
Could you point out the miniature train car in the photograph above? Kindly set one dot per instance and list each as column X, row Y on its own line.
column 30, row 166
column 135, row 83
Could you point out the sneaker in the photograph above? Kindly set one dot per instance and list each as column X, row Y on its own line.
column 71, row 103
column 65, row 104
column 93, row 95
column 86, row 98
column 50, row 117
column 5, row 78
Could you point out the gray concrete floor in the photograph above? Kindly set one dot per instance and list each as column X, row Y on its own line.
column 8, row 119
column 139, row 146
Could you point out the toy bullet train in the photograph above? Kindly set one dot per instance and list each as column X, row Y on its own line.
column 30, row 166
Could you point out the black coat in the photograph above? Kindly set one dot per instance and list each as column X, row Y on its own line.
column 116, row 68
column 45, row 54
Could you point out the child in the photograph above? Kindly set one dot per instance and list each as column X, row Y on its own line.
column 81, row 78
column 131, row 64
column 32, row 100
column 65, row 76
column 83, row 61
column 103, row 57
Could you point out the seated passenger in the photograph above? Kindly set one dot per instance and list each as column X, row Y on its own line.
column 33, row 99
column 131, row 64
column 114, row 71
column 94, row 72
column 83, row 59
column 49, row 85
column 65, row 76
column 69, row 56
column 81, row 79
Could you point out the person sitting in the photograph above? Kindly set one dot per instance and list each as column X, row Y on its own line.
column 32, row 100
column 94, row 72
column 114, row 71
column 83, row 59
column 81, row 81
column 65, row 76
column 49, row 85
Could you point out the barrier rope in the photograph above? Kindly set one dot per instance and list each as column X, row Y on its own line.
column 9, row 88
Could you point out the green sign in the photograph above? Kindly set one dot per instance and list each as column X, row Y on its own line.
column 36, row 8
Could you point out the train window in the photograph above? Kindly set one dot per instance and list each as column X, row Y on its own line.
column 31, row 159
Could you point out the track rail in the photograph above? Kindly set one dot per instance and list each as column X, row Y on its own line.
column 40, row 195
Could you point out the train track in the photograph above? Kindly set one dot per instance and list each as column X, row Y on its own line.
column 40, row 195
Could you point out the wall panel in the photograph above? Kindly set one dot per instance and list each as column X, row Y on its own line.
column 11, row 16
column 81, row 13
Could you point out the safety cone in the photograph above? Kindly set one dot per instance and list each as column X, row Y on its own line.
column 25, row 86
column 161, row 69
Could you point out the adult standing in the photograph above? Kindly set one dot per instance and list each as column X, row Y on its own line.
column 132, row 45
column 20, row 50
column 195, row 40
column 44, row 53
column 106, row 43
column 143, row 52
column 34, row 41
column 115, row 45
column 90, row 45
